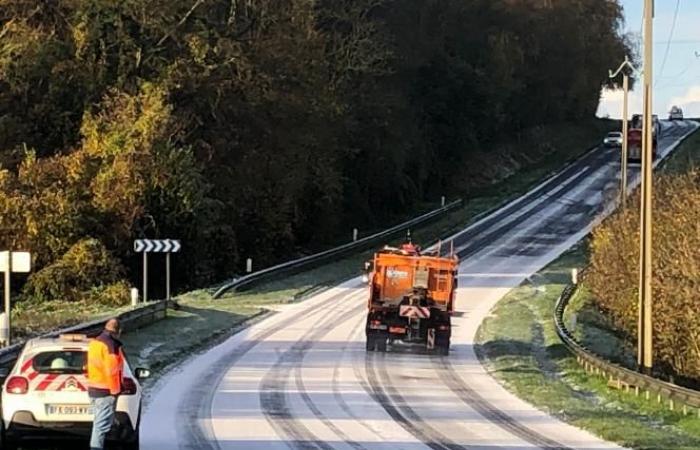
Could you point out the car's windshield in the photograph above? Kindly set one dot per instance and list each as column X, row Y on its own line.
column 614, row 134
column 64, row 361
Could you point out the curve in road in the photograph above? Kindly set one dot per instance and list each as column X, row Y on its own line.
column 302, row 379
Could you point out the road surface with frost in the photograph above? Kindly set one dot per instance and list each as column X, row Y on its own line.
column 302, row 378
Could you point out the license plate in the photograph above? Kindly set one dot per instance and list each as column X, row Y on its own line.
column 68, row 410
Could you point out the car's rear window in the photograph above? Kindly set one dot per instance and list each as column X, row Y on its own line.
column 64, row 361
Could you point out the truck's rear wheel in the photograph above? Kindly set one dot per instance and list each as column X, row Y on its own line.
column 442, row 342
column 381, row 343
column 369, row 345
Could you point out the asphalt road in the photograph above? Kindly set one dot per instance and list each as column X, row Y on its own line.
column 302, row 379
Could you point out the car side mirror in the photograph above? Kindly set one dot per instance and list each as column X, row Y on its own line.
column 141, row 374
column 4, row 372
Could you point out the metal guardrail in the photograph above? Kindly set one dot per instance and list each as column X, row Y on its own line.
column 617, row 376
column 308, row 261
column 130, row 320
column 147, row 314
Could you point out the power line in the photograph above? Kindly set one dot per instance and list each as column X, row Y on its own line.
column 670, row 38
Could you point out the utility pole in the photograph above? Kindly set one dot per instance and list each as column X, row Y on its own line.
column 8, row 296
column 625, row 115
column 645, row 352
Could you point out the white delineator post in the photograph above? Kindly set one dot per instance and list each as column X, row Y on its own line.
column 12, row 262
column 354, row 234
column 134, row 296
column 249, row 265
column 4, row 330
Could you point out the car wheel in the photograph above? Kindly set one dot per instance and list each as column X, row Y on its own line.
column 133, row 444
column 9, row 445
column 6, row 444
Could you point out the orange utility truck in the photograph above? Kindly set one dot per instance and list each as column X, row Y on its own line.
column 411, row 296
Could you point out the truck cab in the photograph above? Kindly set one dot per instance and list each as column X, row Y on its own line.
column 635, row 137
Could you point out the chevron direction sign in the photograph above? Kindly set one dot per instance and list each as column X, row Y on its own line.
column 147, row 246
column 156, row 245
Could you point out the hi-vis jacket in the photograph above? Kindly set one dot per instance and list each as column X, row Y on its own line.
column 105, row 364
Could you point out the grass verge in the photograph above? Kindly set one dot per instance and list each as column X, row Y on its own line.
column 686, row 157
column 34, row 318
column 520, row 348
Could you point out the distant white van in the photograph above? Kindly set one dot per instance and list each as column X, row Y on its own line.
column 675, row 114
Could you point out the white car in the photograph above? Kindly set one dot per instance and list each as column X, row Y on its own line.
column 613, row 139
column 44, row 397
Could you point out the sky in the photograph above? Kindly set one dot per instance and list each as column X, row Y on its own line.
column 677, row 82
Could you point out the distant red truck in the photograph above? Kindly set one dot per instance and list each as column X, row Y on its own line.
column 635, row 135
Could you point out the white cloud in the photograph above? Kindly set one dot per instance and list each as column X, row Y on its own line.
column 689, row 102
column 611, row 103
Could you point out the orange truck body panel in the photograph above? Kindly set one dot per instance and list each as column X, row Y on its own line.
column 396, row 275
column 411, row 299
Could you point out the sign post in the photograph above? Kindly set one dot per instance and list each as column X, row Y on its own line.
column 17, row 262
column 147, row 246
column 145, row 277
column 167, row 276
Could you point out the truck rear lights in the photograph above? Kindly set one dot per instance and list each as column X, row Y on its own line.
column 128, row 386
column 444, row 327
column 17, row 385
column 377, row 325
column 397, row 330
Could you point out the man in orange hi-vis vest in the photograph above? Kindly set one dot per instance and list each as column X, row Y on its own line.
column 105, row 364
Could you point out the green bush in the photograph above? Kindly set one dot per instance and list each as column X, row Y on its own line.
column 86, row 267
column 116, row 294
column 613, row 278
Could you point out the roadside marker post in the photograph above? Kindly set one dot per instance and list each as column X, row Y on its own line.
column 147, row 246
column 4, row 330
column 134, row 297
column 11, row 262
column 249, row 265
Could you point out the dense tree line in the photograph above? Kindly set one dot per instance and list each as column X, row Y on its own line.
column 614, row 273
column 255, row 127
